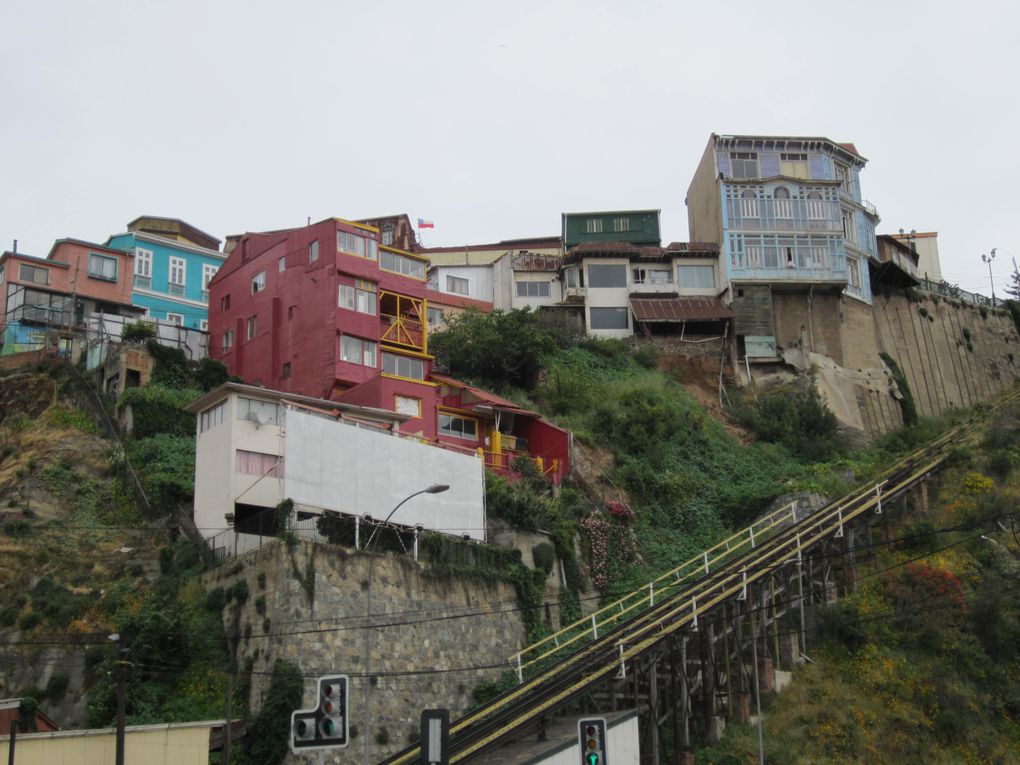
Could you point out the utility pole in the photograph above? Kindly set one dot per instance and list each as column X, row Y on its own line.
column 14, row 723
column 121, row 691
column 988, row 259
column 230, row 704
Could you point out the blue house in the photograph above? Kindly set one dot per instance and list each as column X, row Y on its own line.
column 794, row 232
column 173, row 264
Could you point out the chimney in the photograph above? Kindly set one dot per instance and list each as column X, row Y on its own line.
column 15, row 246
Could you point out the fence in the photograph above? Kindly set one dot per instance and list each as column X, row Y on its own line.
column 945, row 289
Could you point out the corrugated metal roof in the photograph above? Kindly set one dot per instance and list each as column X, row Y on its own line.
column 533, row 261
column 679, row 309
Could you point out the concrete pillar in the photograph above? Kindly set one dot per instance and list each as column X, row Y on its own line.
column 766, row 675
column 716, row 729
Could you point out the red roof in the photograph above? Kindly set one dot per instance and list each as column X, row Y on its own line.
column 444, row 298
column 669, row 308
column 483, row 395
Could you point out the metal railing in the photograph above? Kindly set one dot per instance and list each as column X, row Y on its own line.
column 945, row 289
column 665, row 585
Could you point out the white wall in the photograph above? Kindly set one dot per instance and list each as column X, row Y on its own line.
column 607, row 297
column 555, row 293
column 355, row 470
column 479, row 281
column 703, row 291
column 623, row 747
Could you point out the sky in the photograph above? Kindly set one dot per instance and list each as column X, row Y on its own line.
column 493, row 118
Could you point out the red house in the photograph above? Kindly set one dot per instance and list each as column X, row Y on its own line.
column 327, row 310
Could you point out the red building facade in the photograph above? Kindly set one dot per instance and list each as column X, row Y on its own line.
column 328, row 311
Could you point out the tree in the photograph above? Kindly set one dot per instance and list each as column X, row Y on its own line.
column 499, row 349
column 1013, row 285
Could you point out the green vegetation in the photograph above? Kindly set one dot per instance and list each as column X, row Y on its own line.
column 907, row 405
column 266, row 742
column 137, row 332
column 919, row 664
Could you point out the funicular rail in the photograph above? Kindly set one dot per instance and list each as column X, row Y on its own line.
column 606, row 654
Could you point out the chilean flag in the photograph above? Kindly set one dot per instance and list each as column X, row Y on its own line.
column 422, row 223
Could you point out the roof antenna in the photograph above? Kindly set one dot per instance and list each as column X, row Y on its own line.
column 15, row 247
column 309, row 220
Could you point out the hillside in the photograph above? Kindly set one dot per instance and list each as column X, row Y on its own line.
column 920, row 664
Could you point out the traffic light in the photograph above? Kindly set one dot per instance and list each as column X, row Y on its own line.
column 325, row 726
column 591, row 734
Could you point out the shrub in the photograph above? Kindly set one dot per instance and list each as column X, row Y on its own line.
column 268, row 733
column 137, row 332
column 500, row 349
column 156, row 410
column 544, row 555
column 907, row 405
column 56, row 687
column 215, row 600
column 240, row 590
column 169, row 475
column 796, row 418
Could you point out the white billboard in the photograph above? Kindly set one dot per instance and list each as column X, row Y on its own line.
column 359, row 470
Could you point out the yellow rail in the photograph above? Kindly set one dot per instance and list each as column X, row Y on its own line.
column 663, row 586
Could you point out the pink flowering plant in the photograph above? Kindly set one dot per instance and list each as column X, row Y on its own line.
column 609, row 544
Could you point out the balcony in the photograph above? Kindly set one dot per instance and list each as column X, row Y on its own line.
column 177, row 290
column 143, row 282
column 783, row 214
column 401, row 321
column 787, row 260
column 653, row 281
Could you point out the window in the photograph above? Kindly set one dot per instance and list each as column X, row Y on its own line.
column 359, row 297
column 102, row 267
column 571, row 277
column 257, row 463
column 849, row 229
column 782, row 201
column 213, row 416
column 400, row 264
column 258, row 282
column 1, row 274
column 403, row 366
column 203, row 325
column 593, row 226
column 608, row 318
column 743, row 164
column 252, row 327
column 357, row 245
column 793, row 165
column 607, row 275
column 407, row 405
column 748, row 204
column 354, row 350
column 387, row 235
column 458, row 427
column 651, row 276
column 313, row 251
column 285, row 374
column 208, row 272
column 621, row 224
column 225, row 302
column 696, row 277
column 281, row 264
column 815, row 206
column 262, row 412
column 844, row 177
column 435, row 316
column 853, row 272
column 228, row 340
column 457, row 285
column 532, row 289
column 33, row 274
column 175, row 318
column 143, row 262
column 178, row 274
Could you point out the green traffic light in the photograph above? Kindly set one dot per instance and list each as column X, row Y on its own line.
column 592, row 758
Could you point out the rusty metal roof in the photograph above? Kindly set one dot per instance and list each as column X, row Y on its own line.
column 532, row 261
column 673, row 308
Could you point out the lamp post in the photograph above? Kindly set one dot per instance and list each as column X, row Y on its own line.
column 988, row 259
column 436, row 488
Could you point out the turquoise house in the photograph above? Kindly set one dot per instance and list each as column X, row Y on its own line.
column 173, row 264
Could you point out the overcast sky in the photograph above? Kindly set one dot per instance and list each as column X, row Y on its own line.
column 492, row 119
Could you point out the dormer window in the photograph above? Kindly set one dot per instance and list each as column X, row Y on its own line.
column 744, row 164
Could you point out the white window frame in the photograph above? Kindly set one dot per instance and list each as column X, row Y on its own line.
column 258, row 283
column 532, row 289
column 357, row 297
column 103, row 260
column 203, row 324
column 143, row 262
column 794, row 165
column 458, row 285
column 593, row 226
column 178, row 271
column 228, row 340
column 744, row 157
column 251, row 327
column 175, row 318
column 213, row 416
column 359, row 246
column 33, row 270
column 357, row 350
column 394, row 362
column 401, row 264
column 313, row 251
column 621, row 224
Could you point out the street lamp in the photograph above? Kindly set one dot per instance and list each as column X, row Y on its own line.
column 988, row 259
column 436, row 488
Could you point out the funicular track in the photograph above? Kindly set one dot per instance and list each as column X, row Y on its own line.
column 614, row 655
